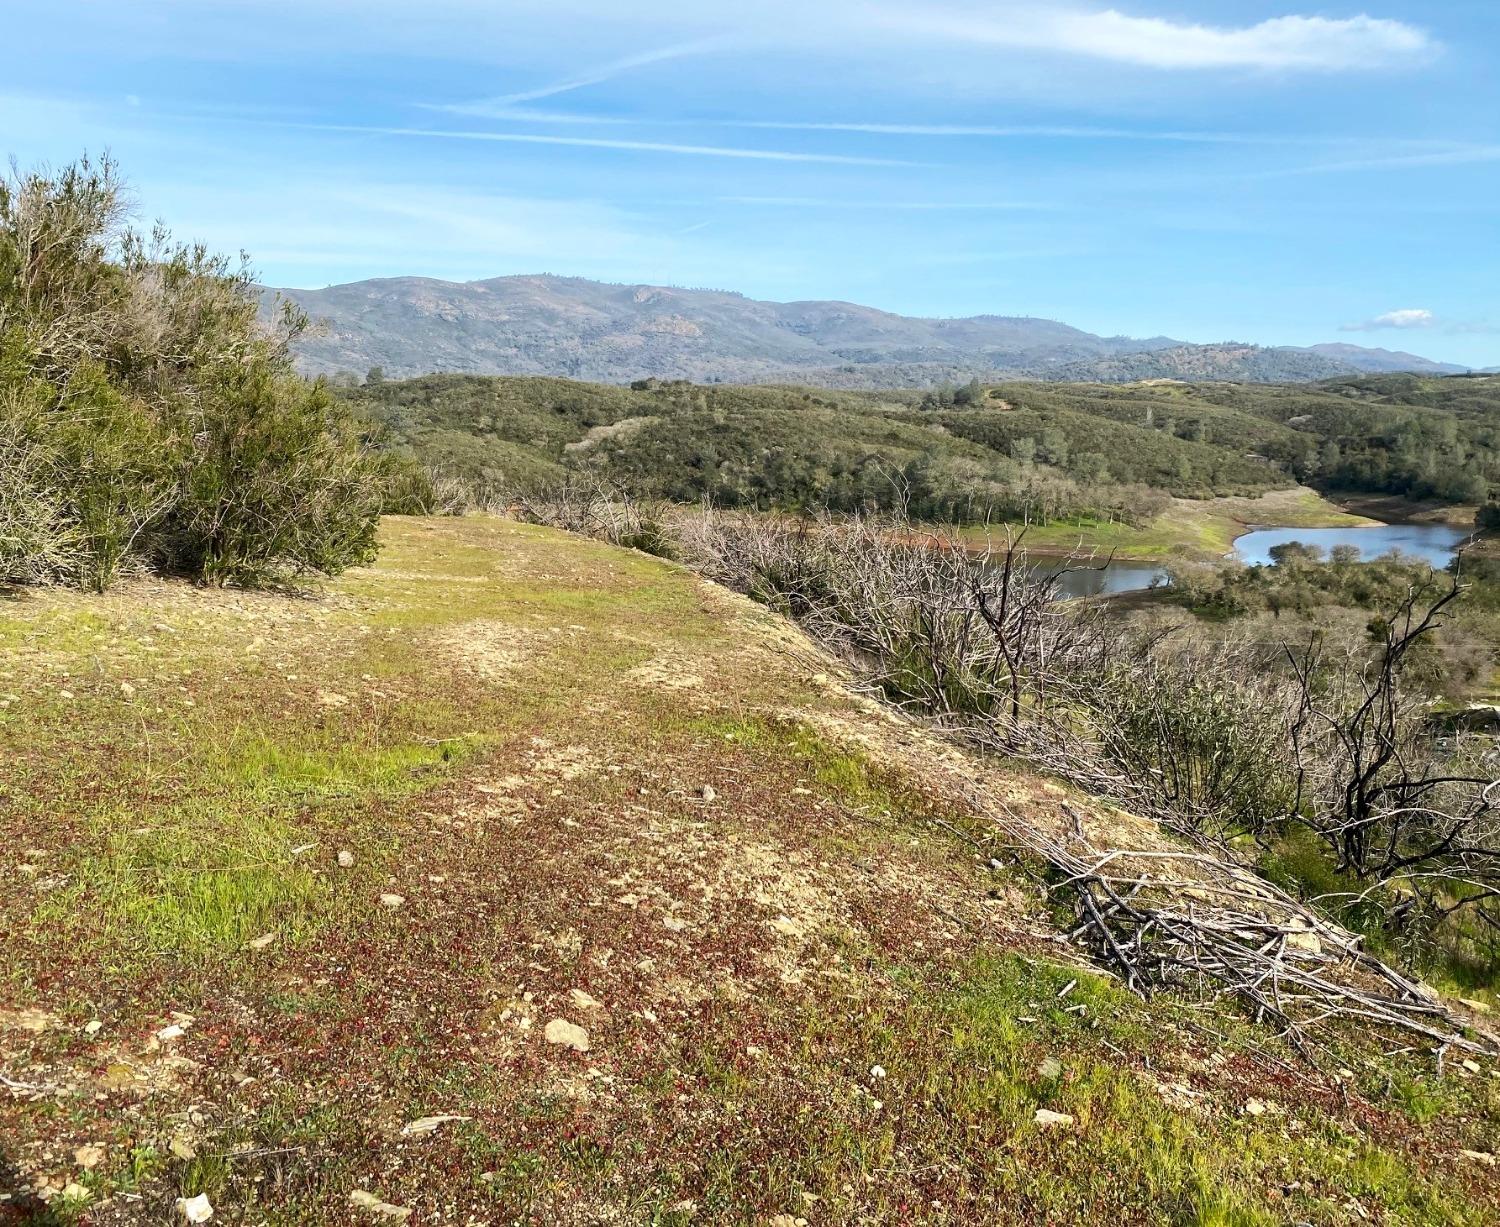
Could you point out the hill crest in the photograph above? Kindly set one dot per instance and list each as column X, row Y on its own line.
column 540, row 324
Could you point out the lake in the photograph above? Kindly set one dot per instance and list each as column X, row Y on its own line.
column 1117, row 578
column 1433, row 543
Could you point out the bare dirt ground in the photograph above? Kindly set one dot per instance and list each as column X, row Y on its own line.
column 522, row 879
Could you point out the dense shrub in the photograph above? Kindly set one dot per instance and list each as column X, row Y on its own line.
column 148, row 419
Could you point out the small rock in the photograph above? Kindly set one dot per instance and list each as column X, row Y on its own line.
column 64, row 694
column 261, row 942
column 368, row 1201
column 1254, row 1107
column 182, row 1147
column 1479, row 1007
column 127, row 690
column 1471, row 1066
column 74, row 1191
column 88, row 1157
column 673, row 924
column 1046, row 1117
column 392, row 901
column 585, row 1001
column 877, row 1071
column 346, row 859
column 427, row 1124
column 93, row 1027
column 707, row 792
column 174, row 1032
column 195, row 1209
column 1049, row 1068
column 1481, row 1156
column 566, row 1035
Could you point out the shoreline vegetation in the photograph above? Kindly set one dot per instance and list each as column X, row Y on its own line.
column 1202, row 530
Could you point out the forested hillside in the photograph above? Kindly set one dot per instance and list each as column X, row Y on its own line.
column 1039, row 449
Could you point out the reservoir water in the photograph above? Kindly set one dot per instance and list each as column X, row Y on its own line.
column 1117, row 578
column 1435, row 544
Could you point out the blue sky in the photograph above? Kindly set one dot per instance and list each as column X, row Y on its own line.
column 1282, row 172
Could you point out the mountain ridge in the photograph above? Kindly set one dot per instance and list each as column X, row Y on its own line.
column 542, row 324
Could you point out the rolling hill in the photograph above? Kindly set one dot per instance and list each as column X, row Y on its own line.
column 581, row 329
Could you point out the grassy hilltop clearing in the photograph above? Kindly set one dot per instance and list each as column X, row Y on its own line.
column 519, row 877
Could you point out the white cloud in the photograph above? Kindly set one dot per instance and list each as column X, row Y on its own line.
column 1295, row 42
column 1407, row 317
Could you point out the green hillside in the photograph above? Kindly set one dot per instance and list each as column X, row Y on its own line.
column 1045, row 452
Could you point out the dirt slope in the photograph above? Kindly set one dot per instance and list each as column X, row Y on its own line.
column 521, row 879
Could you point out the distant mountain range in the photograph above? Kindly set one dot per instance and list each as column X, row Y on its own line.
column 570, row 326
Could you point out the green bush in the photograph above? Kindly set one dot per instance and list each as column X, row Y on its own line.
column 148, row 417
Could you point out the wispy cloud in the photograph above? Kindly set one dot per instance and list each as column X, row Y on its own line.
column 1453, row 155
column 1281, row 43
column 1405, row 318
column 830, row 202
column 1064, row 131
column 499, row 105
column 592, row 142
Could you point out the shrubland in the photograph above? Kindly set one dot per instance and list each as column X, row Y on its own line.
column 1308, row 745
column 147, row 420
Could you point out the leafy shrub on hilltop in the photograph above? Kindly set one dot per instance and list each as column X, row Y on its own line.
column 146, row 419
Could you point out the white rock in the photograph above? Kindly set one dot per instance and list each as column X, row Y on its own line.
column 877, row 1071
column 566, row 1035
column 174, row 1032
column 585, row 1001
column 93, row 1027
column 88, row 1156
column 392, row 901
column 261, row 942
column 346, row 859
column 1046, row 1117
column 195, row 1209
column 707, row 792
column 427, row 1124
column 1254, row 1107
column 368, row 1201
